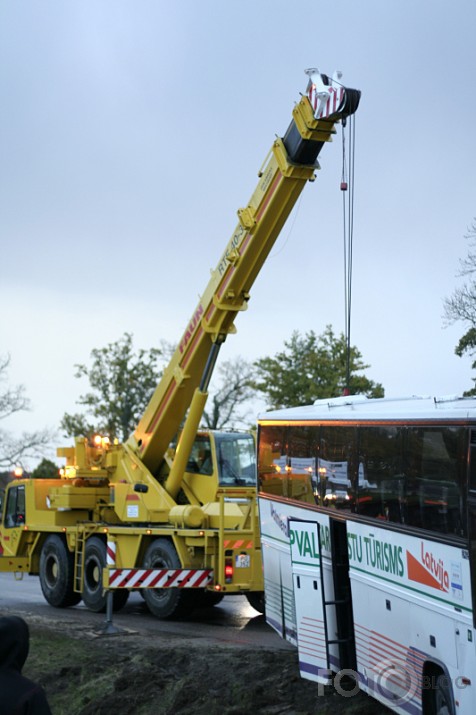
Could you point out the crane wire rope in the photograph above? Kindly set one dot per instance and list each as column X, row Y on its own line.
column 347, row 182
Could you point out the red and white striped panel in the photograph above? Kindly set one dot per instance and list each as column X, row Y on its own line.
column 111, row 553
column 322, row 110
column 238, row 544
column 159, row 578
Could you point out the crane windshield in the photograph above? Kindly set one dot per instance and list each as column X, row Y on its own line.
column 236, row 456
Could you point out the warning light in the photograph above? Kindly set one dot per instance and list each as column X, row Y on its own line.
column 100, row 441
column 18, row 472
column 228, row 570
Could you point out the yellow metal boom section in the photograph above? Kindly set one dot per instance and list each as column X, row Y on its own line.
column 290, row 163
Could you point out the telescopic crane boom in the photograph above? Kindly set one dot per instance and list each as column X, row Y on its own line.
column 290, row 163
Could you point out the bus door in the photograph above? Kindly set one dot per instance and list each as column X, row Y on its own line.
column 341, row 604
column 321, row 585
column 466, row 637
column 308, row 572
column 472, row 520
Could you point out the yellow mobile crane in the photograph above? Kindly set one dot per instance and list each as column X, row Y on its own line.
column 145, row 515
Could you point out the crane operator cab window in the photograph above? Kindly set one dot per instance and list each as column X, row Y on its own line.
column 200, row 460
column 14, row 513
column 231, row 455
column 236, row 459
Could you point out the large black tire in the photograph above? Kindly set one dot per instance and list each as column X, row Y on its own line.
column 57, row 573
column 443, row 703
column 94, row 597
column 256, row 600
column 166, row 602
column 206, row 599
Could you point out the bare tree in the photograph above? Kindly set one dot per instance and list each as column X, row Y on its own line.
column 231, row 389
column 29, row 445
column 461, row 305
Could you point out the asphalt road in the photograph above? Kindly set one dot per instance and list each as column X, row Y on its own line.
column 233, row 621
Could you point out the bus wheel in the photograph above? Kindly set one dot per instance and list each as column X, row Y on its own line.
column 442, row 697
column 94, row 597
column 57, row 573
column 256, row 600
column 165, row 602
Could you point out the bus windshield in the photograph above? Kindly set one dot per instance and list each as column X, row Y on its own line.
column 236, row 459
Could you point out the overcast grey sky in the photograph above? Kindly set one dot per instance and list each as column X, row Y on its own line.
column 131, row 132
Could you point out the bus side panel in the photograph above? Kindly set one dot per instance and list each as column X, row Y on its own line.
column 411, row 602
column 385, row 663
column 276, row 555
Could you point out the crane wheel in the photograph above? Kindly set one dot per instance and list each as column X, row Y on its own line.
column 165, row 602
column 94, row 597
column 57, row 573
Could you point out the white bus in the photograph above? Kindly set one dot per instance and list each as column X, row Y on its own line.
column 369, row 545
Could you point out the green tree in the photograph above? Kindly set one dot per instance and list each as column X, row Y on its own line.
column 46, row 469
column 461, row 305
column 15, row 451
column 312, row 367
column 122, row 383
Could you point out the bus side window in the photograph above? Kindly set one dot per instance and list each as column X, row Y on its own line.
column 337, row 466
column 381, row 490
column 272, row 460
column 435, row 476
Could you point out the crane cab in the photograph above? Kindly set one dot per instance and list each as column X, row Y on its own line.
column 219, row 460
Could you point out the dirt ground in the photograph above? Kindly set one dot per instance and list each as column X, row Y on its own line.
column 87, row 674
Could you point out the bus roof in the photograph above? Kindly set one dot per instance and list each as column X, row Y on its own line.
column 359, row 407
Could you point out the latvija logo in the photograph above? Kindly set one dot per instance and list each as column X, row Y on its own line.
column 428, row 570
